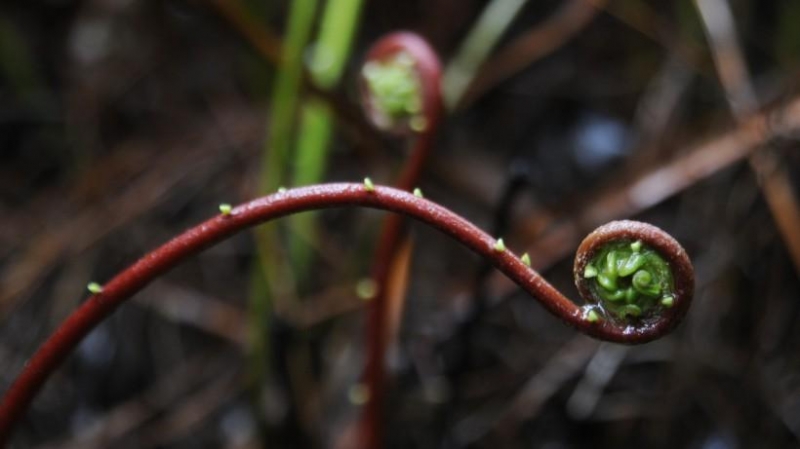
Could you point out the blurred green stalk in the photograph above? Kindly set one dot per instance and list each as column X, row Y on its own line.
column 16, row 62
column 480, row 40
column 269, row 272
column 328, row 61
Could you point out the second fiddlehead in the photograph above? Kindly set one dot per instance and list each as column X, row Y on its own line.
column 400, row 87
column 634, row 275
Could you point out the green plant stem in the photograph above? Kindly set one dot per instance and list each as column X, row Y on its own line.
column 268, row 268
column 17, row 65
column 285, row 95
column 328, row 60
column 480, row 40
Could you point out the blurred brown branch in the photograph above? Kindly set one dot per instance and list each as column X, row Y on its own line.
column 734, row 77
column 550, row 243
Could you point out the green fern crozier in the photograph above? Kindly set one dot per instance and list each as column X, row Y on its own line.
column 395, row 92
column 630, row 280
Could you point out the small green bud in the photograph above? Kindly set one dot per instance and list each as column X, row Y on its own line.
column 589, row 272
column 499, row 246
column 418, row 123
column 643, row 283
column 366, row 289
column 94, row 288
column 630, row 309
column 281, row 189
column 607, row 282
column 631, row 264
column 225, row 208
column 668, row 301
column 591, row 316
column 358, row 394
column 636, row 246
column 613, row 295
column 642, row 279
column 369, row 185
column 418, row 193
column 526, row 259
column 611, row 265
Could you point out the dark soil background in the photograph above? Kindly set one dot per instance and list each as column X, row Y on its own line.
column 124, row 122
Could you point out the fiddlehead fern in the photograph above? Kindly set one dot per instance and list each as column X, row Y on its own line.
column 646, row 327
column 634, row 275
column 400, row 84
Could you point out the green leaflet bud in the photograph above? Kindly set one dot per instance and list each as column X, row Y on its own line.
column 94, row 288
column 358, row 394
column 394, row 93
column 366, row 289
column 629, row 279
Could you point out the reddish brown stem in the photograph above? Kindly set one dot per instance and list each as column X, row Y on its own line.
column 59, row 345
column 428, row 70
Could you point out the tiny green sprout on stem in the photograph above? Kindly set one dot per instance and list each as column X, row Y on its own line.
column 499, row 246
column 94, row 288
column 418, row 193
column 591, row 315
column 225, row 209
column 366, row 288
column 369, row 185
column 629, row 329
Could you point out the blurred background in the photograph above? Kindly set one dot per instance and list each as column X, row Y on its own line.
column 124, row 122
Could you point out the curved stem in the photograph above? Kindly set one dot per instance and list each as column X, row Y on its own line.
column 53, row 352
column 389, row 240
